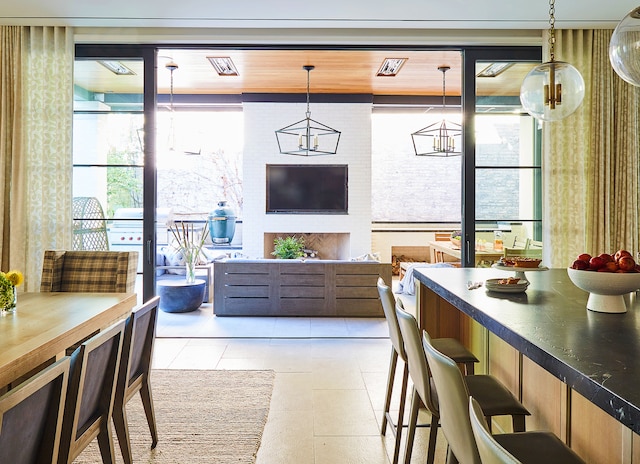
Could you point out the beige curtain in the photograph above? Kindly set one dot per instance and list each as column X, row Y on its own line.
column 590, row 159
column 36, row 83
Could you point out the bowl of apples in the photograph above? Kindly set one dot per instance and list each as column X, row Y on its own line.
column 607, row 278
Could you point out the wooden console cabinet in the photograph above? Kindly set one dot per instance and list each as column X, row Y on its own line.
column 314, row 288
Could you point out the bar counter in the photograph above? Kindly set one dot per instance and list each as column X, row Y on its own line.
column 595, row 354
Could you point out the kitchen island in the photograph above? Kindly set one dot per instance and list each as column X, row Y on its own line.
column 576, row 370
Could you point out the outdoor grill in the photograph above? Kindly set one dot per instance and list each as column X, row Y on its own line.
column 125, row 230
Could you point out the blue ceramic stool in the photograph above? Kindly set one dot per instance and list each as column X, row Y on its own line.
column 177, row 296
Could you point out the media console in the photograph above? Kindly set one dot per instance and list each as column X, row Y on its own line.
column 311, row 288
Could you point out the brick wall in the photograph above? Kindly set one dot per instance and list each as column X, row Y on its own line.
column 261, row 148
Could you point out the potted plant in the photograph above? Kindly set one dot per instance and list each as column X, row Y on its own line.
column 288, row 247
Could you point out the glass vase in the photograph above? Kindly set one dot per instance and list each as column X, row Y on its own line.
column 190, row 265
column 11, row 303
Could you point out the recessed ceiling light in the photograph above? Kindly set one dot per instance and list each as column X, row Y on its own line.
column 494, row 69
column 390, row 67
column 223, row 65
column 116, row 67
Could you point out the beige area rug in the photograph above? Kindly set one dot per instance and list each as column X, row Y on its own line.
column 202, row 417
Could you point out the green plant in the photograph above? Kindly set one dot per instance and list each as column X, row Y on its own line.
column 288, row 247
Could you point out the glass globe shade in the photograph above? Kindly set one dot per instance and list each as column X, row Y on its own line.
column 532, row 91
column 624, row 48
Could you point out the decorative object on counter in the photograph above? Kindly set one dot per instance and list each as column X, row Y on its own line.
column 606, row 289
column 508, row 285
column 288, row 247
column 519, row 270
column 555, row 89
column 8, row 291
column 439, row 138
column 308, row 137
column 222, row 223
column 623, row 48
column 189, row 242
column 498, row 241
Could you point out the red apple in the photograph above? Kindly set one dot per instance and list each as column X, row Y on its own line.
column 605, row 257
column 610, row 266
column 584, row 257
column 580, row 265
column 620, row 253
column 596, row 263
column 626, row 263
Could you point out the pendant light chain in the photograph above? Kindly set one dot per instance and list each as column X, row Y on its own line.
column 444, row 106
column 308, row 110
column 552, row 29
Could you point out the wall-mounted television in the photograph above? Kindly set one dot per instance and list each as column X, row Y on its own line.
column 307, row 188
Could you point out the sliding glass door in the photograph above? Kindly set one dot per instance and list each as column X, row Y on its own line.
column 113, row 154
column 502, row 157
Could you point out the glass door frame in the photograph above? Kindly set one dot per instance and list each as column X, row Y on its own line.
column 470, row 56
column 148, row 54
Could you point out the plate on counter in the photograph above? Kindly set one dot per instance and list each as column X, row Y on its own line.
column 494, row 285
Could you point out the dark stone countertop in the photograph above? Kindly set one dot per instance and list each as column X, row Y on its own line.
column 596, row 354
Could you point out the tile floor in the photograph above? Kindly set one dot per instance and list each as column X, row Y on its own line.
column 330, row 380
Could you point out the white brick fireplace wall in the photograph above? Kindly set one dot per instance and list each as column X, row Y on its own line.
column 261, row 148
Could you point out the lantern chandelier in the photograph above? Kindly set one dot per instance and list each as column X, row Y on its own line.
column 624, row 48
column 439, row 138
column 555, row 89
column 308, row 137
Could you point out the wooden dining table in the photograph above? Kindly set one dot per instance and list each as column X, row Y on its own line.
column 482, row 256
column 45, row 324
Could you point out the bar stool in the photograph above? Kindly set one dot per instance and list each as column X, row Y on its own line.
column 453, row 395
column 451, row 346
column 495, row 398
column 517, row 448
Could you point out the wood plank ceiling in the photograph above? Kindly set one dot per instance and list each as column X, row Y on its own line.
column 280, row 71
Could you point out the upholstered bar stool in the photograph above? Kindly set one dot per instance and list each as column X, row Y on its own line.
column 451, row 346
column 495, row 398
column 517, row 448
column 454, row 391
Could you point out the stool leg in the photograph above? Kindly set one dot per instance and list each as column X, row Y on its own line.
column 433, row 435
column 400, row 422
column 411, row 431
column 469, row 368
column 387, row 401
column 518, row 423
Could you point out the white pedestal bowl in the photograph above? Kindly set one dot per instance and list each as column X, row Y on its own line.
column 606, row 289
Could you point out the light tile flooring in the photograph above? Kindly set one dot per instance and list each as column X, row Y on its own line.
column 330, row 380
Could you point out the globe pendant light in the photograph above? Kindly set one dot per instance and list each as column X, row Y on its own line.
column 555, row 89
column 624, row 48
column 308, row 137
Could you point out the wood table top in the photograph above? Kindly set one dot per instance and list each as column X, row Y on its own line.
column 45, row 324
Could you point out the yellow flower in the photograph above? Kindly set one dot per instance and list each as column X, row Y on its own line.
column 15, row 277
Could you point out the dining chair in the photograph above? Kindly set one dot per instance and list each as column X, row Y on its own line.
column 454, row 391
column 31, row 417
column 452, row 346
column 90, row 396
column 496, row 400
column 517, row 448
column 133, row 376
column 89, row 271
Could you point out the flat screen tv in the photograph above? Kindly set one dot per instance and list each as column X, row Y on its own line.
column 307, row 188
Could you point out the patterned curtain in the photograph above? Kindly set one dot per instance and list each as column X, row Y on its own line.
column 590, row 159
column 37, row 167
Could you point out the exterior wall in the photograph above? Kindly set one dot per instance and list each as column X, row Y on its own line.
column 261, row 148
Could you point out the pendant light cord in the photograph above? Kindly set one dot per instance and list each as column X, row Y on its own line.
column 552, row 29
column 308, row 110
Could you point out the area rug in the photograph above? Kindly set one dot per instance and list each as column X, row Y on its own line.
column 202, row 417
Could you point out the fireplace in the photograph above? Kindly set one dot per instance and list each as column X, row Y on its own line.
column 327, row 245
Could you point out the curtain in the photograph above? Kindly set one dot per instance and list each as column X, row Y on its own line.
column 590, row 159
column 35, row 157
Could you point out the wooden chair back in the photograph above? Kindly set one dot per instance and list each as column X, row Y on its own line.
column 89, row 271
column 133, row 376
column 90, row 396
column 31, row 417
